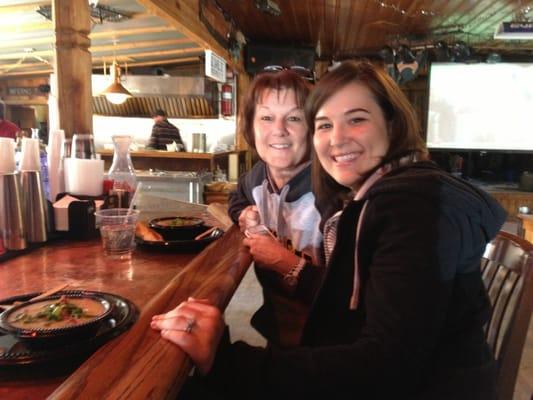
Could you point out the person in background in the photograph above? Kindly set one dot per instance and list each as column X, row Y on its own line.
column 7, row 128
column 276, row 196
column 163, row 133
column 402, row 308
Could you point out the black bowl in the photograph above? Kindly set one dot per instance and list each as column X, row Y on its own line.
column 189, row 227
column 55, row 335
column 186, row 245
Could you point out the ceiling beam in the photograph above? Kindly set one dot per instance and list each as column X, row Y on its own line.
column 118, row 47
column 6, row 42
column 33, row 73
column 132, row 31
column 162, row 53
column 30, row 42
column 150, row 63
column 21, row 28
column 41, row 69
column 23, row 7
column 184, row 15
column 138, row 45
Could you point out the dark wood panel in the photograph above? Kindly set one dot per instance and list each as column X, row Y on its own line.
column 348, row 28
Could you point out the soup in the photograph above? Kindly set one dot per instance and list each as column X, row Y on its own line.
column 64, row 312
column 179, row 221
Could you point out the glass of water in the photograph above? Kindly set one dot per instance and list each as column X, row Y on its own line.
column 117, row 229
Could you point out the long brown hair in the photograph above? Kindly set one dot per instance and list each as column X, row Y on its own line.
column 404, row 132
column 278, row 81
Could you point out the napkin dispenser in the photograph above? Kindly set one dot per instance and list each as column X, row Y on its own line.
column 75, row 215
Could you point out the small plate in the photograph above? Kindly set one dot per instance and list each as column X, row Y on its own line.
column 188, row 245
column 15, row 353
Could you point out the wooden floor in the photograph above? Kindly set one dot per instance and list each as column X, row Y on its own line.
column 248, row 298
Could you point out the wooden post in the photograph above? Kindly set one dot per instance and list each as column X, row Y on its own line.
column 71, row 92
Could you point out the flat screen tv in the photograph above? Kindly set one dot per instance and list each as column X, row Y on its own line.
column 480, row 106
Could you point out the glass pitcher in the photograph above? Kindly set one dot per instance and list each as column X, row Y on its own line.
column 122, row 173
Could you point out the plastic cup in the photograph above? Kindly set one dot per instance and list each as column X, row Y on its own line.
column 83, row 146
column 117, row 229
column 30, row 155
column 7, row 155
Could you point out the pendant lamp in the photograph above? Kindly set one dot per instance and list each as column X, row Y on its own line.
column 116, row 93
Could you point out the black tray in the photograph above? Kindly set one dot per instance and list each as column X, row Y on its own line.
column 181, row 246
column 15, row 353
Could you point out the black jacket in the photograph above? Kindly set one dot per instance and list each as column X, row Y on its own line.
column 418, row 330
column 164, row 133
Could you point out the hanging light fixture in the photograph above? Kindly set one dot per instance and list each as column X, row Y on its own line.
column 116, row 93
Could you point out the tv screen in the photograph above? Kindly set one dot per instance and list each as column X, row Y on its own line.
column 480, row 106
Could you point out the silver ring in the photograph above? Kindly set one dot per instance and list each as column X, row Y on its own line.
column 190, row 324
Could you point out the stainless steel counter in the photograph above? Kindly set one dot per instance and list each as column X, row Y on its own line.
column 175, row 185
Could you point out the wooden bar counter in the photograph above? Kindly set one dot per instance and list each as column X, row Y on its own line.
column 138, row 364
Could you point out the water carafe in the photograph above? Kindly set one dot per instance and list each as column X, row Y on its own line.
column 122, row 173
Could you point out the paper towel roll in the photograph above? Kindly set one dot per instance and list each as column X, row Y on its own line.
column 7, row 155
column 84, row 176
column 30, row 155
column 56, row 176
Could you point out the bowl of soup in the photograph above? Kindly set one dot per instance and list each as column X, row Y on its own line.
column 178, row 228
column 58, row 317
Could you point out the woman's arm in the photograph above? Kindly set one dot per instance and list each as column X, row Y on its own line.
column 239, row 200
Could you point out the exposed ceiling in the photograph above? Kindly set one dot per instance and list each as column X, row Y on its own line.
column 337, row 29
column 27, row 37
column 347, row 28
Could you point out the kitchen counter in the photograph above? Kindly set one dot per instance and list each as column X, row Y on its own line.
column 177, row 161
column 509, row 196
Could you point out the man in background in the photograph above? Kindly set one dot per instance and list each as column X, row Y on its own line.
column 163, row 133
column 7, row 128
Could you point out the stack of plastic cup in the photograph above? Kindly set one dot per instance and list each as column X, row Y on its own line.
column 7, row 155
column 30, row 155
column 55, row 163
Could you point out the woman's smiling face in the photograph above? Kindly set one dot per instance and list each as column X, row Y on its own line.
column 351, row 134
column 280, row 130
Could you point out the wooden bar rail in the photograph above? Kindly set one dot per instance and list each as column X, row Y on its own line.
column 142, row 365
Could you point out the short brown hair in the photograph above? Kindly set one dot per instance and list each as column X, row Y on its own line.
column 282, row 80
column 404, row 132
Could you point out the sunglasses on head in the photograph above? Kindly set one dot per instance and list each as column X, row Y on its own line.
column 305, row 73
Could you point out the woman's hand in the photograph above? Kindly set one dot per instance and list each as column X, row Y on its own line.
column 270, row 253
column 249, row 217
column 196, row 326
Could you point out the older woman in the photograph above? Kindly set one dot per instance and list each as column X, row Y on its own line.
column 401, row 311
column 276, row 194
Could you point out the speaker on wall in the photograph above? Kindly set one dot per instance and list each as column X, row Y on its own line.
column 259, row 56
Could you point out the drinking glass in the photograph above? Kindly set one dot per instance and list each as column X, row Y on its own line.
column 83, row 146
column 117, row 229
